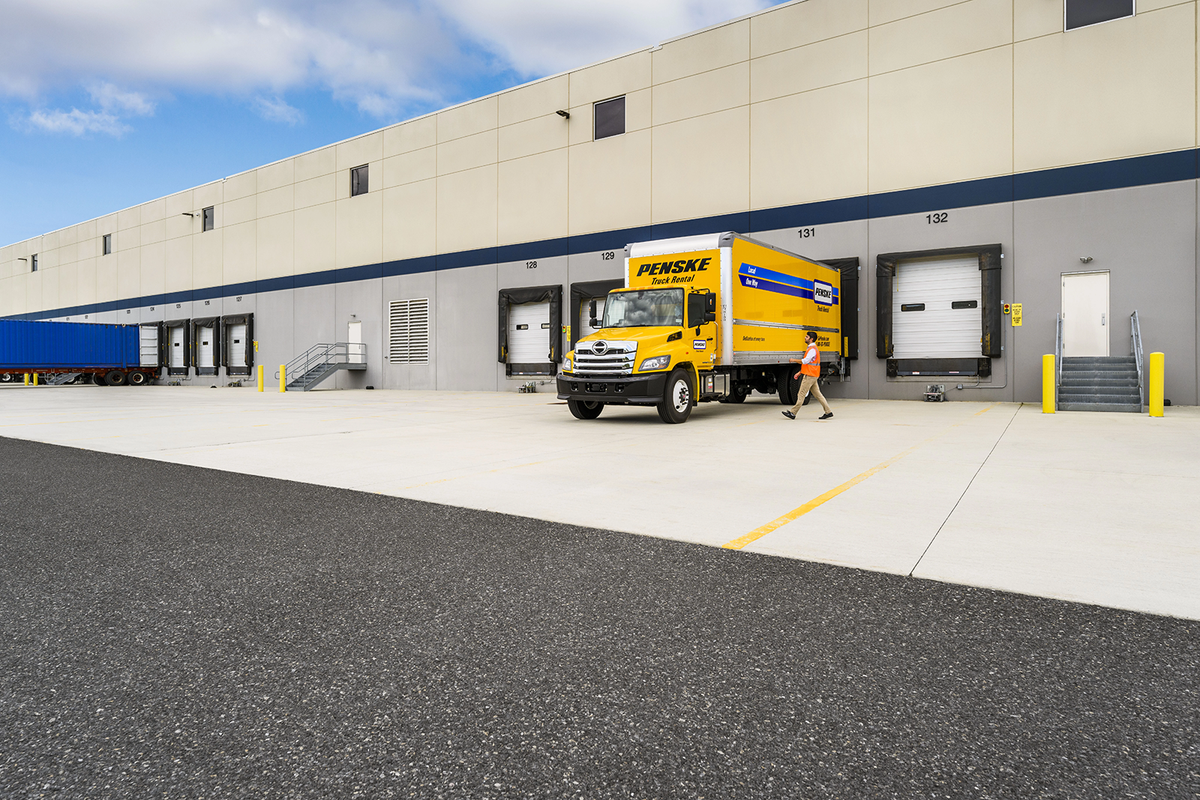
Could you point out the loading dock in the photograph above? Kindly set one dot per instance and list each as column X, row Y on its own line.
column 237, row 333
column 206, row 345
column 179, row 346
column 530, row 330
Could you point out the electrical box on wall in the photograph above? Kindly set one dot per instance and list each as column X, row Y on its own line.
column 935, row 393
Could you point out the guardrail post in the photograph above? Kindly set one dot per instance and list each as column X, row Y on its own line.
column 1048, row 387
column 260, row 377
column 1158, row 367
column 283, row 377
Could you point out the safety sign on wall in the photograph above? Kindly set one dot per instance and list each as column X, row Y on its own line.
column 1016, row 315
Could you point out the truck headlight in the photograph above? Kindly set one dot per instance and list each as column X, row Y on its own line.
column 658, row 362
column 567, row 366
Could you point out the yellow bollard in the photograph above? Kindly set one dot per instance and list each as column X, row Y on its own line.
column 283, row 377
column 1158, row 369
column 35, row 379
column 845, row 347
column 1048, row 394
column 260, row 377
column 26, row 378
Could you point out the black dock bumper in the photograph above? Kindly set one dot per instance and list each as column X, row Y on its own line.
column 637, row 390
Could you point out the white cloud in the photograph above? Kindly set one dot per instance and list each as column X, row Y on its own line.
column 75, row 122
column 276, row 109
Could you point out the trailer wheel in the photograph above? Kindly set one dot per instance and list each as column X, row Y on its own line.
column 676, row 406
column 6, row 378
column 789, row 387
column 585, row 409
column 97, row 378
column 738, row 395
column 115, row 378
column 137, row 378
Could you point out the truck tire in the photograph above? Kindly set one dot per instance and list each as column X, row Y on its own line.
column 115, row 377
column 676, row 406
column 138, row 378
column 97, row 378
column 585, row 409
column 737, row 394
column 6, row 378
column 789, row 387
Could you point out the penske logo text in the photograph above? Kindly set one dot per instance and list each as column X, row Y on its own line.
column 675, row 267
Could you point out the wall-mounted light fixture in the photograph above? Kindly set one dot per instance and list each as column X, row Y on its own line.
column 1085, row 259
column 188, row 214
column 563, row 114
column 22, row 258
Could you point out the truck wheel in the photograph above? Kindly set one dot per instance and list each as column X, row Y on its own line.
column 115, row 378
column 789, row 387
column 97, row 378
column 585, row 409
column 6, row 378
column 138, row 379
column 676, row 406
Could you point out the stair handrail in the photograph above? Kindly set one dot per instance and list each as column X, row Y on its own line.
column 1135, row 344
column 1058, row 356
column 324, row 353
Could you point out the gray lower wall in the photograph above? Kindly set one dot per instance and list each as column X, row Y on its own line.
column 1145, row 237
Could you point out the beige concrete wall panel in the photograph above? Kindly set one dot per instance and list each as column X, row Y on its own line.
column 106, row 280
column 533, row 198
column 360, row 150
column 1144, row 6
column 537, row 135
column 67, row 254
column 153, row 267
column 180, row 226
column 467, row 152
column 538, row 99
column 70, row 234
column 466, row 210
column 50, row 284
column 360, row 230
column 129, row 273
column 274, row 176
column 238, row 211
column 208, row 251
column 175, row 205
column 316, row 191
column 242, row 185
column 240, row 252
column 805, row 23
column 315, row 164
column 410, row 220
column 276, row 201
column 699, row 166
column 1124, row 88
column 639, row 107
column 801, row 69
column 701, row 52
column 467, row 120
column 178, row 272
column 153, row 211
column 706, row 93
column 579, row 126
column 1033, row 18
column 881, row 12
column 275, row 245
column 953, row 31
column 408, row 136
column 609, row 183
column 85, row 282
column 106, row 224
column 941, row 122
column 611, row 78
column 129, row 218
column 33, row 292
column 315, row 229
column 68, row 286
column 207, row 195
column 152, row 232
column 418, row 165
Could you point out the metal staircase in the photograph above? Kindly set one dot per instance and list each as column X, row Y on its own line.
column 322, row 360
column 1104, row 383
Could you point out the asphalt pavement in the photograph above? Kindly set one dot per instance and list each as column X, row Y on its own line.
column 183, row 632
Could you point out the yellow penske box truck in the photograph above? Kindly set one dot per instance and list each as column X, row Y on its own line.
column 704, row 318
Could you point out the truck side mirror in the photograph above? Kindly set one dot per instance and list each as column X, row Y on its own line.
column 710, row 308
column 696, row 304
column 595, row 323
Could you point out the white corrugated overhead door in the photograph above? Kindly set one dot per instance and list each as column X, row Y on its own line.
column 148, row 346
column 205, row 336
column 177, row 360
column 529, row 333
column 236, row 344
column 936, row 309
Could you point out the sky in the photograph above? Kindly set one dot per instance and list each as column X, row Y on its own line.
column 106, row 105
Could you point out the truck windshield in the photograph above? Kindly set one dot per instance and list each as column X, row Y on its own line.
column 644, row 308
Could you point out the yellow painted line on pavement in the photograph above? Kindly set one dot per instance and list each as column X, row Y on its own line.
column 817, row 502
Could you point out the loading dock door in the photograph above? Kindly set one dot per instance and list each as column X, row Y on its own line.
column 206, row 347
column 936, row 308
column 529, row 334
column 148, row 346
column 236, row 334
column 1085, row 314
column 178, row 358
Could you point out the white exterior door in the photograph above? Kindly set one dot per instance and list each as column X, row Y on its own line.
column 936, row 309
column 177, row 360
column 204, row 347
column 529, row 333
column 236, row 344
column 148, row 346
column 1085, row 314
column 354, row 337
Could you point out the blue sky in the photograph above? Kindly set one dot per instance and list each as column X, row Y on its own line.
column 107, row 105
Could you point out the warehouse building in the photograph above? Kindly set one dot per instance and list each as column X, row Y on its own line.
column 951, row 157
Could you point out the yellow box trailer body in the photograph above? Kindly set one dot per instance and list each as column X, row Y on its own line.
column 710, row 317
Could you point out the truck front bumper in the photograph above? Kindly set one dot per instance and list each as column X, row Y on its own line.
column 639, row 390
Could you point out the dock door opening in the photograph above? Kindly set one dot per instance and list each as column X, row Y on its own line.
column 179, row 350
column 206, row 347
column 530, row 330
column 237, row 344
column 582, row 294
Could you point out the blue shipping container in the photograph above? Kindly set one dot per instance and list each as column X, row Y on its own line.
column 66, row 345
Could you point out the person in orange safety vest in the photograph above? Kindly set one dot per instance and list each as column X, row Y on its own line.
column 810, row 368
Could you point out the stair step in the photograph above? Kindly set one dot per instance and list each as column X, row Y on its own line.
column 1099, row 360
column 1134, row 408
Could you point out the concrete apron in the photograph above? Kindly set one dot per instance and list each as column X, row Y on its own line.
column 1090, row 507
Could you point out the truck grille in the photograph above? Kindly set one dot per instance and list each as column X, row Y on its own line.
column 605, row 358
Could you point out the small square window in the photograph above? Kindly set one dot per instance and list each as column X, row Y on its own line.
column 207, row 219
column 1081, row 13
column 107, row 249
column 610, row 118
column 33, row 262
column 358, row 181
